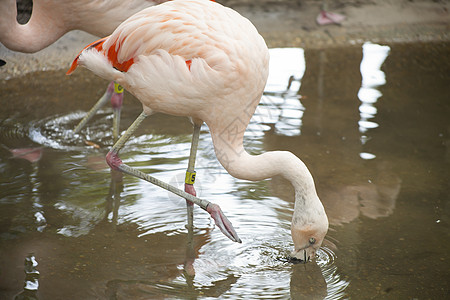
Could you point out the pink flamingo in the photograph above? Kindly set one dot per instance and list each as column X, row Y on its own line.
column 50, row 20
column 199, row 59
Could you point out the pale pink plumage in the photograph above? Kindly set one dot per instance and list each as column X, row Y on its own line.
column 198, row 59
column 161, row 40
column 51, row 19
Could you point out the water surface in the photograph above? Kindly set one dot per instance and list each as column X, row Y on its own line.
column 371, row 123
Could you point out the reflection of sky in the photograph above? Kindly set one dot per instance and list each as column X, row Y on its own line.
column 372, row 77
column 284, row 63
column 280, row 107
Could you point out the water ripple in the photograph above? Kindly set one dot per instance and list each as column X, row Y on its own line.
column 57, row 132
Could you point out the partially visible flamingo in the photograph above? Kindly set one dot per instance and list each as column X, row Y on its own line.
column 199, row 59
column 326, row 17
column 50, row 20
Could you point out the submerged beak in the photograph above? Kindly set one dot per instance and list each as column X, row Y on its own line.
column 303, row 255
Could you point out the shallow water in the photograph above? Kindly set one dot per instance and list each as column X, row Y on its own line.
column 371, row 123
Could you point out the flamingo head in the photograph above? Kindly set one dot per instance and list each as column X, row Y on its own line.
column 308, row 230
column 97, row 45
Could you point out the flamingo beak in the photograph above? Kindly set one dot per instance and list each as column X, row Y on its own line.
column 97, row 45
column 73, row 66
column 303, row 255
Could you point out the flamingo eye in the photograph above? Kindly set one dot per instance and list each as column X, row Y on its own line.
column 312, row 240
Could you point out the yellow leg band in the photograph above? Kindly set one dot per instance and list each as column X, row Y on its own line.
column 190, row 177
column 118, row 89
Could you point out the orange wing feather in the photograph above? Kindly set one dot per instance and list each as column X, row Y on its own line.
column 111, row 53
column 112, row 57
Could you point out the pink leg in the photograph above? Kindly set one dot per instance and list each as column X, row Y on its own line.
column 116, row 103
column 190, row 253
column 189, row 188
column 114, row 93
column 113, row 160
column 190, row 174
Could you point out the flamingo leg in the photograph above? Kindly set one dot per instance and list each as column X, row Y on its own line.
column 114, row 92
column 189, row 188
column 190, row 256
column 113, row 160
column 116, row 124
column 100, row 103
column 190, row 175
column 116, row 103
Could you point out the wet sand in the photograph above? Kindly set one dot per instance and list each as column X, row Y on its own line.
column 286, row 23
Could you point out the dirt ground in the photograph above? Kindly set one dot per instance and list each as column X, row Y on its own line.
column 287, row 23
column 293, row 22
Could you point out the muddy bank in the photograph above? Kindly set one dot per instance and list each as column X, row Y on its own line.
column 286, row 23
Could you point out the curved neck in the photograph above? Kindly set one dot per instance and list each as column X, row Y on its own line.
column 308, row 208
column 42, row 29
column 233, row 157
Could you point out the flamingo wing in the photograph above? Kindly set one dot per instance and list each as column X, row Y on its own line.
column 184, row 30
column 182, row 50
column 181, row 28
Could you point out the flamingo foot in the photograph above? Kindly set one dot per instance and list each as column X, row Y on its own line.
column 113, row 160
column 222, row 222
